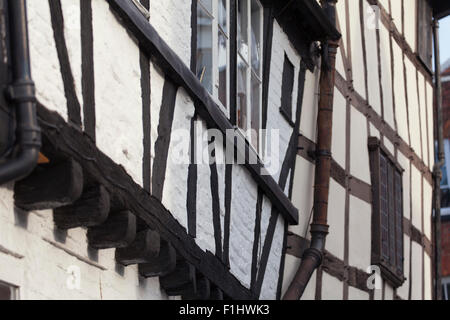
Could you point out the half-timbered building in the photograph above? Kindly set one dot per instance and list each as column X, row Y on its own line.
column 131, row 110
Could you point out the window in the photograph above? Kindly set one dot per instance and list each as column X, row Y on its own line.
column 213, row 48
column 445, row 187
column 8, row 292
column 424, row 32
column 249, row 68
column 446, row 289
column 287, row 86
column 387, row 213
column 213, row 60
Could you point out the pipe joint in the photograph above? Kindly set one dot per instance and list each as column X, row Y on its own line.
column 314, row 255
column 21, row 92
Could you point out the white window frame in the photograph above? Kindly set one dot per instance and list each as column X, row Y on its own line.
column 250, row 73
column 215, row 53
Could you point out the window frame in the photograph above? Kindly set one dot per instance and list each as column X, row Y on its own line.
column 424, row 43
column 445, row 288
column 233, row 56
column 389, row 272
column 214, row 15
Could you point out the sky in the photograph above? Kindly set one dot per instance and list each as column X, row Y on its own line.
column 444, row 37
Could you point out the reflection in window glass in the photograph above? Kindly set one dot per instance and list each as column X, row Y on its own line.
column 255, row 97
column 256, row 36
column 207, row 4
column 243, row 28
column 204, row 48
column 223, row 15
column 242, row 93
column 222, row 64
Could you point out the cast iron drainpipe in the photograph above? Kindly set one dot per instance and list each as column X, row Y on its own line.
column 437, row 173
column 22, row 94
column 312, row 257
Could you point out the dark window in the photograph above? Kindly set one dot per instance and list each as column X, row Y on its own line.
column 286, row 89
column 7, row 292
column 424, row 32
column 387, row 214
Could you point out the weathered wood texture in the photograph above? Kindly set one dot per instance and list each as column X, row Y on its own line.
column 118, row 231
column 91, row 209
column 161, row 265
column 143, row 249
column 50, row 186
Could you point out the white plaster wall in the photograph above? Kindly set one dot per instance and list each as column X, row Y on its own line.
column 175, row 183
column 291, row 265
column 386, row 77
column 385, row 4
column 388, row 292
column 428, row 284
column 339, row 127
column 172, row 20
column 423, row 117
column 356, row 294
column 156, row 89
column 396, row 11
column 359, row 152
column 399, row 89
column 303, row 194
column 356, row 49
column 416, row 191
column 430, row 106
column 359, row 233
column 373, row 95
column 205, row 227
column 117, row 91
column 336, row 220
column 405, row 164
column 41, row 269
column 308, row 123
column 332, row 288
column 427, row 208
column 416, row 272
column 45, row 66
column 270, row 283
column 341, row 14
column 72, row 32
column 243, row 210
column 403, row 290
column 281, row 47
column 410, row 10
column 413, row 107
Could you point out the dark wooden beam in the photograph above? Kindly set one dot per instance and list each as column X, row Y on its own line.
column 91, row 209
column 175, row 70
column 67, row 141
column 182, row 281
column 203, row 290
column 118, row 231
column 161, row 265
column 50, row 186
column 143, row 249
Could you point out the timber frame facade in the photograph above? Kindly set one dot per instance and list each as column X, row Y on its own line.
column 116, row 79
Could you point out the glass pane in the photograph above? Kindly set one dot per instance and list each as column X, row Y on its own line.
column 256, row 94
column 207, row 4
column 241, row 93
column 204, row 49
column 222, row 64
column 223, row 15
column 448, row 292
column 256, row 36
column 242, row 28
column 444, row 181
column 445, row 197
